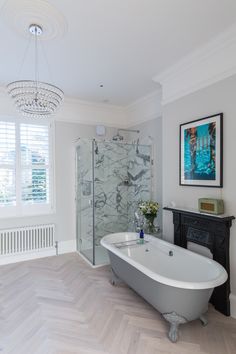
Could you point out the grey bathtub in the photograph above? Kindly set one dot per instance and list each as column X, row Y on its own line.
column 177, row 282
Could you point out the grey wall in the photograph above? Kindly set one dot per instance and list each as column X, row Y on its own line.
column 153, row 129
column 217, row 98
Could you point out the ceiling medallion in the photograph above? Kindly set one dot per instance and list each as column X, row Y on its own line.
column 18, row 15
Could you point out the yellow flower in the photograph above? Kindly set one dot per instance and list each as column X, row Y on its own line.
column 149, row 207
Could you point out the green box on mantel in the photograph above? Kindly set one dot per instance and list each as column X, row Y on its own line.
column 211, row 206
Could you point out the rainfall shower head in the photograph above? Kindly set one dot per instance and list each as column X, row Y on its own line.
column 118, row 137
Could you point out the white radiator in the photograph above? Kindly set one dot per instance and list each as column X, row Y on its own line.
column 26, row 239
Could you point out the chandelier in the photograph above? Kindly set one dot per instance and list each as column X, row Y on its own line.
column 34, row 98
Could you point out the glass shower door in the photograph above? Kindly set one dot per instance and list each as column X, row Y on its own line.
column 112, row 177
column 84, row 199
column 110, row 193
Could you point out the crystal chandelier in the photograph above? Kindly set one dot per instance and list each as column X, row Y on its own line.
column 34, row 98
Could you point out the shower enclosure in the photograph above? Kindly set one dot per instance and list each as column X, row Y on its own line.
column 112, row 177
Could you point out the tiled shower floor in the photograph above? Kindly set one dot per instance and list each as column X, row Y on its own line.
column 101, row 255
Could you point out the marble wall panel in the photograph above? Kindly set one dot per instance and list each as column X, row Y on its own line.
column 122, row 177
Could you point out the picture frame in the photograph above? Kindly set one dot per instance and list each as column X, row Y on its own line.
column 201, row 152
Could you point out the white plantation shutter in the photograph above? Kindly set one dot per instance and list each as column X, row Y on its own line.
column 7, row 163
column 35, row 176
column 25, row 168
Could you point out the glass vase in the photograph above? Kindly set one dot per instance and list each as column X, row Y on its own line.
column 150, row 227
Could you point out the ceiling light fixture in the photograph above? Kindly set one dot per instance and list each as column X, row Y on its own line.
column 34, row 98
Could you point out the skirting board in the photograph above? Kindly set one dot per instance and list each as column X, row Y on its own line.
column 27, row 256
column 63, row 247
column 66, row 246
column 233, row 305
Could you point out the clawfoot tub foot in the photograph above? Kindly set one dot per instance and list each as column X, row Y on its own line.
column 203, row 320
column 115, row 280
column 175, row 320
column 173, row 334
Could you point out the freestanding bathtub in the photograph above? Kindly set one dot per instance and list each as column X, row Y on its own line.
column 176, row 281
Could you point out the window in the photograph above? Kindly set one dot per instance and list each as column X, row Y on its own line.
column 7, row 163
column 25, row 168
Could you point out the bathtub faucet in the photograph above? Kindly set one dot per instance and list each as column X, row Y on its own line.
column 138, row 222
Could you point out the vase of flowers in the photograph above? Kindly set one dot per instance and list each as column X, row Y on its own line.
column 149, row 210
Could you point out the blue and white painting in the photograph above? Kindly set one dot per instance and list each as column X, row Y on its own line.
column 200, row 152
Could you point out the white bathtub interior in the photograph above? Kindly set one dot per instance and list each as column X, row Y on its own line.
column 204, row 251
column 157, row 259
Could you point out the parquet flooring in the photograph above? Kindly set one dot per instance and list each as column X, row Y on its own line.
column 60, row 305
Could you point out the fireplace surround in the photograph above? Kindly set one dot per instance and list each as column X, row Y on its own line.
column 212, row 232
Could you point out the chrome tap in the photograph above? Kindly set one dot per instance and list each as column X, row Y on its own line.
column 138, row 222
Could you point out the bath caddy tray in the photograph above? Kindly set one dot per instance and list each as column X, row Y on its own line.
column 129, row 243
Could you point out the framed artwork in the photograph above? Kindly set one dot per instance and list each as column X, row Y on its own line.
column 201, row 152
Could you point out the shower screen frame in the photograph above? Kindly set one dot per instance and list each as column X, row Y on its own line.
column 91, row 200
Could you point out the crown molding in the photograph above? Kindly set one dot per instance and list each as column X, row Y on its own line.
column 144, row 109
column 91, row 113
column 205, row 66
column 74, row 110
column 150, row 97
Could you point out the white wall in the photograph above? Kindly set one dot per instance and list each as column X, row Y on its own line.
column 77, row 119
column 64, row 218
column 153, row 129
column 217, row 98
column 66, row 134
column 84, row 115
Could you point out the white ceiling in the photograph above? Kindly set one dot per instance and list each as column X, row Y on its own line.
column 122, row 44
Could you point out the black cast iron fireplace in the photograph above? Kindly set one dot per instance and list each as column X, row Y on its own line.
column 212, row 232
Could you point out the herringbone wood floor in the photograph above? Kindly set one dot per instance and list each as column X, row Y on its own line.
column 59, row 305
